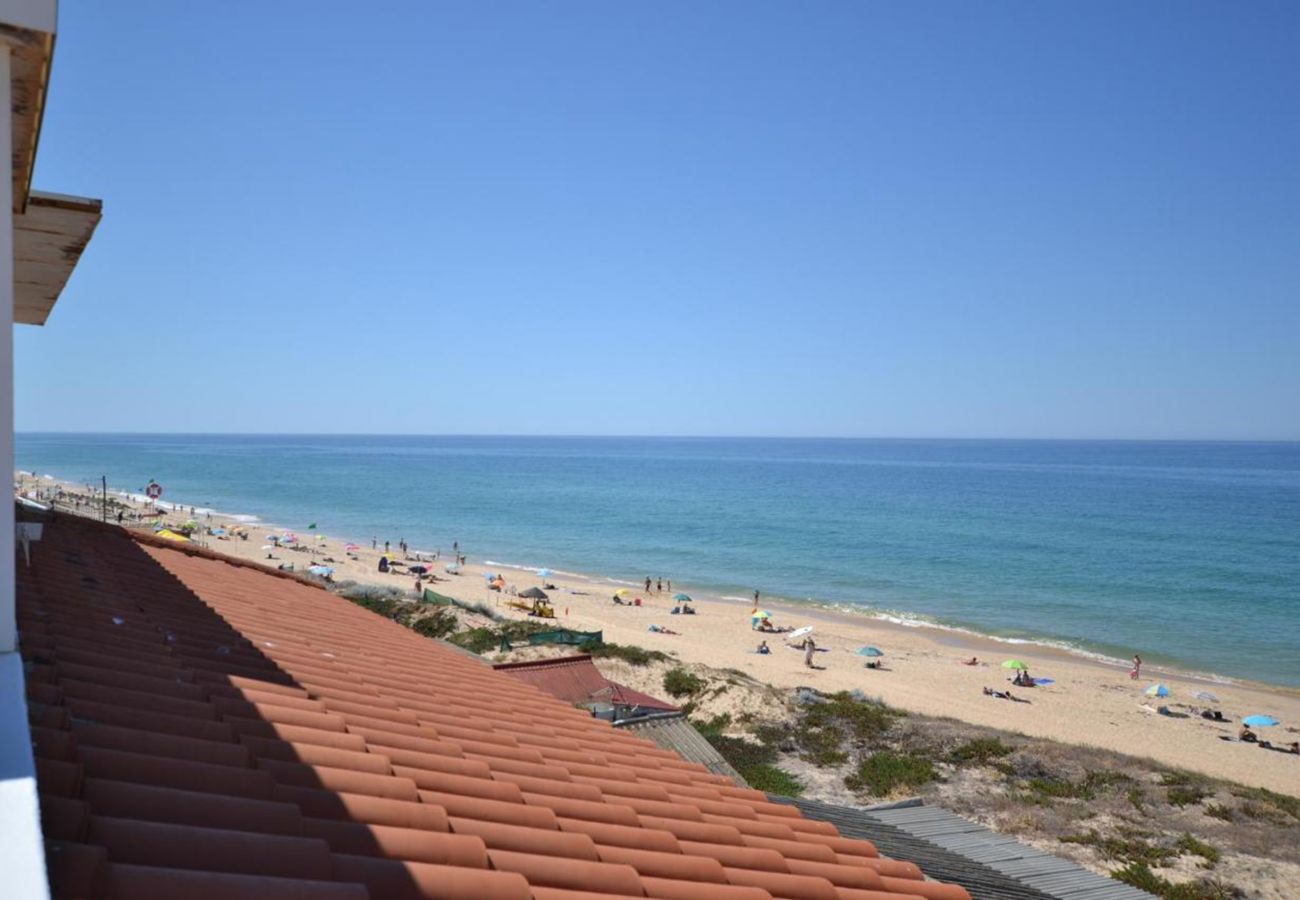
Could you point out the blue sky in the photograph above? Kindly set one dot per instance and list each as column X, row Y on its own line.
column 863, row 219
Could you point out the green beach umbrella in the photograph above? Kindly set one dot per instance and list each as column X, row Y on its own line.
column 311, row 526
column 870, row 651
column 761, row 614
column 1014, row 664
column 682, row 598
column 1157, row 690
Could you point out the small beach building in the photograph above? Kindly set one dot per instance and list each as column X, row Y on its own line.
column 576, row 680
column 41, row 240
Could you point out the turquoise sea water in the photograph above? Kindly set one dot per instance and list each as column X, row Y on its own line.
column 1186, row 552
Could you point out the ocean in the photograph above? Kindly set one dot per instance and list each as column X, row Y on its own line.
column 1188, row 553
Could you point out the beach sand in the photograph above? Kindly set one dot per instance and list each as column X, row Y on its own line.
column 1092, row 702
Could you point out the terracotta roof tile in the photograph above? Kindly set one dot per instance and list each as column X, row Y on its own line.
column 153, row 743
column 416, row 845
column 539, row 841
column 206, row 729
column 401, row 880
column 124, row 882
column 210, row 849
column 75, row 870
column 574, row 874
column 149, row 803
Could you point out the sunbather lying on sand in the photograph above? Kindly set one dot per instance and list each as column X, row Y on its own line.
column 1003, row 695
column 660, row 630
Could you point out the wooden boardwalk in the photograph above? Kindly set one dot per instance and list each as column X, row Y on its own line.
column 949, row 848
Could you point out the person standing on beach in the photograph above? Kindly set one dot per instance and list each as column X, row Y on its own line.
column 374, row 543
column 809, row 648
column 1137, row 668
column 756, row 598
column 647, row 584
column 659, row 586
column 385, row 546
column 670, row 585
column 455, row 549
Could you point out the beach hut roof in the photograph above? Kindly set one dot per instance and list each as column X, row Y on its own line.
column 296, row 742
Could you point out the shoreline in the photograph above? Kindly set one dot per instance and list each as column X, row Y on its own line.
column 957, row 636
column 1091, row 701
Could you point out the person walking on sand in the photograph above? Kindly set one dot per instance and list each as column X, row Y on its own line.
column 755, row 599
column 659, row 586
column 670, row 585
column 1136, row 673
column 374, row 543
column 385, row 546
column 647, row 584
column 809, row 648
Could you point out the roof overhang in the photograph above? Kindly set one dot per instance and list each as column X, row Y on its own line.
column 27, row 26
column 48, row 240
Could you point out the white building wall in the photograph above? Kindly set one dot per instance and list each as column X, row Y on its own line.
column 22, row 855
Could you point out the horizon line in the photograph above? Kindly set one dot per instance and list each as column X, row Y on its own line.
column 678, row 437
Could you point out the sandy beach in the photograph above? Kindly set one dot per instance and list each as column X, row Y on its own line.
column 1091, row 702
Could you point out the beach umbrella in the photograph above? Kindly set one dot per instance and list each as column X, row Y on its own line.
column 1260, row 721
column 1157, row 690
column 268, row 546
column 682, row 598
column 418, row 570
column 761, row 614
column 1013, row 664
column 533, row 593
column 351, row 547
column 451, row 569
column 218, row 532
column 799, row 632
column 320, row 570
column 870, row 651
column 543, row 573
column 488, row 576
column 1206, row 696
column 621, row 592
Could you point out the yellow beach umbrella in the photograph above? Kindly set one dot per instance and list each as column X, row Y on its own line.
column 169, row 535
column 621, row 592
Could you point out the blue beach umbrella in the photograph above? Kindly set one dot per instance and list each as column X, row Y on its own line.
column 1260, row 721
column 682, row 598
column 543, row 573
column 488, row 576
column 1157, row 690
column 870, row 651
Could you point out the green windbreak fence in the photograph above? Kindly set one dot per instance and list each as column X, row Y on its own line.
column 565, row 636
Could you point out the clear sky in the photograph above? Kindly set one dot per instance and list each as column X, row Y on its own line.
column 729, row 218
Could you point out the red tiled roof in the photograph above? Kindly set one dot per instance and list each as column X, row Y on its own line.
column 206, row 729
column 575, row 679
